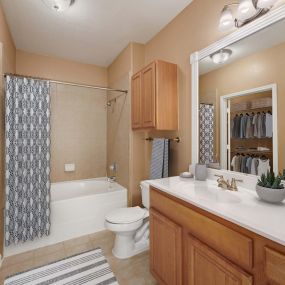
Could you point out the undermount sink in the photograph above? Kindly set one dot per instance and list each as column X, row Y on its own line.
column 211, row 191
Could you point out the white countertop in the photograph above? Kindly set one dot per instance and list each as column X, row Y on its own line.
column 243, row 208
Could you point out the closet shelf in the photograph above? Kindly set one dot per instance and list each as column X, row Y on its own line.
column 261, row 109
column 248, row 139
column 251, row 151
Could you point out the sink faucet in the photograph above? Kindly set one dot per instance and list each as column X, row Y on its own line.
column 225, row 184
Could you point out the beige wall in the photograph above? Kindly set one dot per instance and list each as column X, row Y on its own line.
column 118, row 120
column 9, row 50
column 78, row 115
column 59, row 69
column 124, row 146
column 78, row 132
column 262, row 68
column 193, row 29
column 118, row 131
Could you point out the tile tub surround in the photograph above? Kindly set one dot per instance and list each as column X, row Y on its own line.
column 128, row 272
column 242, row 208
column 78, row 132
column 77, row 208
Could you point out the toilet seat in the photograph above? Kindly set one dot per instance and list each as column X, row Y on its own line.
column 126, row 215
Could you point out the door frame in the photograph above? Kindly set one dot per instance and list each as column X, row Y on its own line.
column 224, row 147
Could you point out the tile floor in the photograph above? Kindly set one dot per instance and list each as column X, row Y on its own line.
column 132, row 271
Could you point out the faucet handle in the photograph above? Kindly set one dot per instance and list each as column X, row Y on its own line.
column 234, row 184
column 220, row 176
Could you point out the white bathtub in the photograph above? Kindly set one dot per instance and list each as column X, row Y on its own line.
column 78, row 208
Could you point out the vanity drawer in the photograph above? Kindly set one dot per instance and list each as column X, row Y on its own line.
column 231, row 244
column 275, row 266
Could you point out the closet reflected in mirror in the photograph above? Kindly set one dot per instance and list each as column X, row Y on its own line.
column 242, row 104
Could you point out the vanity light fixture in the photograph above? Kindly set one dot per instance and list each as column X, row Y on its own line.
column 245, row 10
column 58, row 5
column 242, row 12
column 221, row 56
column 265, row 4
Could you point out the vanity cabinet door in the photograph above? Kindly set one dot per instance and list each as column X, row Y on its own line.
column 274, row 266
column 165, row 249
column 205, row 266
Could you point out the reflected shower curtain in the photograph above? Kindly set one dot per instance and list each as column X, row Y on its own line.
column 206, row 133
column 27, row 130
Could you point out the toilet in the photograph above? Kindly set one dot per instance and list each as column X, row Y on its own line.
column 131, row 227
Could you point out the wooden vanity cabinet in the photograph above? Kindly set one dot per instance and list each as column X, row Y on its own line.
column 166, row 258
column 154, row 97
column 205, row 266
column 190, row 246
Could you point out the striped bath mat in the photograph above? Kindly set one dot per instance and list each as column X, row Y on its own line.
column 86, row 268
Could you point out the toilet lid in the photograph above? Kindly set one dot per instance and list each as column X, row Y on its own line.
column 126, row 215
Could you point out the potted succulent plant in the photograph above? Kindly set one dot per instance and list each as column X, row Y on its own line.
column 270, row 188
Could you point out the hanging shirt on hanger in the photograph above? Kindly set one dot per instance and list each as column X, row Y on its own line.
column 248, row 165
column 263, row 125
column 249, row 127
column 269, row 125
column 236, row 127
column 243, row 122
column 254, row 122
column 263, row 166
column 243, row 164
column 236, row 163
column 254, row 165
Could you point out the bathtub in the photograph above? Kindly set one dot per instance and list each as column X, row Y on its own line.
column 78, row 208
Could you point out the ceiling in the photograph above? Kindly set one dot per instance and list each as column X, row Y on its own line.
column 90, row 31
column 267, row 38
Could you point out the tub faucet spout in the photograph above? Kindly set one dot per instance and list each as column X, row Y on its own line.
column 111, row 179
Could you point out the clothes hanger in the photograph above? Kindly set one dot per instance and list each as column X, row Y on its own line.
column 264, row 157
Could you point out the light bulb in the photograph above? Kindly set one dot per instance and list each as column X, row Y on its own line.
column 245, row 10
column 227, row 21
column 58, row 5
column 265, row 4
column 221, row 56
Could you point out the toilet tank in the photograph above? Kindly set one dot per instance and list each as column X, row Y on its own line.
column 145, row 193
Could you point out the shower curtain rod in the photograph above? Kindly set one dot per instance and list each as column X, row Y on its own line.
column 70, row 83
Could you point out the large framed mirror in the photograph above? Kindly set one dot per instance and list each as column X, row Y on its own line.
column 238, row 99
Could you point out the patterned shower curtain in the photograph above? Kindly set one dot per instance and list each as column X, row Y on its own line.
column 206, row 133
column 27, row 129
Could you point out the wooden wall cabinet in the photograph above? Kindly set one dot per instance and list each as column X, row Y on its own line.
column 155, row 97
column 190, row 246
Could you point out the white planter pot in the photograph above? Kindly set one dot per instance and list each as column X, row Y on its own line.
column 270, row 195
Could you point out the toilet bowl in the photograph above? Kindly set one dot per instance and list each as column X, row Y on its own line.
column 131, row 227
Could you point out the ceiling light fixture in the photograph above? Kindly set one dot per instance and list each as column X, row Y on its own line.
column 221, row 56
column 242, row 12
column 58, row 5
